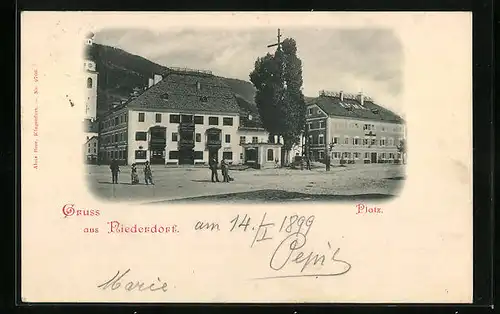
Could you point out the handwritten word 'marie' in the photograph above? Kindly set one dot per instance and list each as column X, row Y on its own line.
column 116, row 282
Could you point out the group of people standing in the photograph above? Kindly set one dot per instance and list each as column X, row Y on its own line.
column 148, row 174
column 224, row 168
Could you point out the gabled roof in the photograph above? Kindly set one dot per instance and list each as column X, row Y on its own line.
column 91, row 138
column 351, row 108
column 178, row 91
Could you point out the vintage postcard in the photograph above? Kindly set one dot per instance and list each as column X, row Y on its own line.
column 246, row 157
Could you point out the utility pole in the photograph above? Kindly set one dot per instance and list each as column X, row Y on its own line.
column 282, row 63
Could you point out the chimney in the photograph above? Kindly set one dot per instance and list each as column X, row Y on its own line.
column 341, row 95
column 150, row 82
column 157, row 78
column 361, row 98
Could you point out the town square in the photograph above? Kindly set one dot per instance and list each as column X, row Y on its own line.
column 350, row 183
column 156, row 132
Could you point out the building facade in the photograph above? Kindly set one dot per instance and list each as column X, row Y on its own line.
column 352, row 129
column 91, row 150
column 184, row 117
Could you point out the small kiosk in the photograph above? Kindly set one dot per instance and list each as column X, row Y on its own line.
column 262, row 155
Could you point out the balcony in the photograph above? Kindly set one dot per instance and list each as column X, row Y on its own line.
column 186, row 127
column 186, row 143
column 158, row 141
column 214, row 144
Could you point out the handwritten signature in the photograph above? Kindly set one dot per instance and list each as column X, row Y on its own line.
column 117, row 280
column 291, row 250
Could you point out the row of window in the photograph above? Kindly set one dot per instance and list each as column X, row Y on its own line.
column 176, row 118
column 354, row 141
column 123, row 118
column 354, row 125
column 142, row 136
column 243, row 139
column 94, row 151
column 311, row 111
column 95, row 144
column 357, row 155
column 316, row 125
column 114, row 138
column 174, row 155
column 116, row 154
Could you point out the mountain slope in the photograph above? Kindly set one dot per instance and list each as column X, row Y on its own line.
column 120, row 72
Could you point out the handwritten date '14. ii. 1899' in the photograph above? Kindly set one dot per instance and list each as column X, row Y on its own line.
column 291, row 254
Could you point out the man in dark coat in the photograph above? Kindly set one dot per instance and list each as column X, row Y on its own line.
column 213, row 168
column 114, row 170
column 148, row 174
column 225, row 171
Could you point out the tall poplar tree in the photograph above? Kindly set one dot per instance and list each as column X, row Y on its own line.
column 279, row 97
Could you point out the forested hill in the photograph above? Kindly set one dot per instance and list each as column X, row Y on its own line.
column 120, row 72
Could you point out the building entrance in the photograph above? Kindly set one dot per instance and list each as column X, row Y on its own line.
column 186, row 156
column 157, row 145
column 251, row 155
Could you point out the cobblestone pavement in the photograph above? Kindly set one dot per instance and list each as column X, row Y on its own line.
column 251, row 185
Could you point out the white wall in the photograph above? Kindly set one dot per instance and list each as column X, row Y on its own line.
column 150, row 120
column 354, row 128
column 90, row 96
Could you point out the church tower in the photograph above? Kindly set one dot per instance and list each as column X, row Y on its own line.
column 90, row 81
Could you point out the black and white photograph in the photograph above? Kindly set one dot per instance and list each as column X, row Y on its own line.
column 247, row 157
column 259, row 115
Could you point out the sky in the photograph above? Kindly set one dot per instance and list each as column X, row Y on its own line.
column 351, row 60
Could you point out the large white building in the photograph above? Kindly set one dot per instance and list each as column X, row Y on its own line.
column 353, row 129
column 184, row 117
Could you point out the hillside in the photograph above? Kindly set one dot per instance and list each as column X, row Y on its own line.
column 120, row 72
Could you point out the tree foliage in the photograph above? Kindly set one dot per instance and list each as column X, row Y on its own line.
column 278, row 80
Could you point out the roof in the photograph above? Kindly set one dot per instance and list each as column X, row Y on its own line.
column 183, row 95
column 351, row 108
column 248, row 110
column 90, row 126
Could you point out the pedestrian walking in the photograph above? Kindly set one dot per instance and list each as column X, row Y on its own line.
column 148, row 174
column 115, row 168
column 213, row 168
column 133, row 174
column 225, row 170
